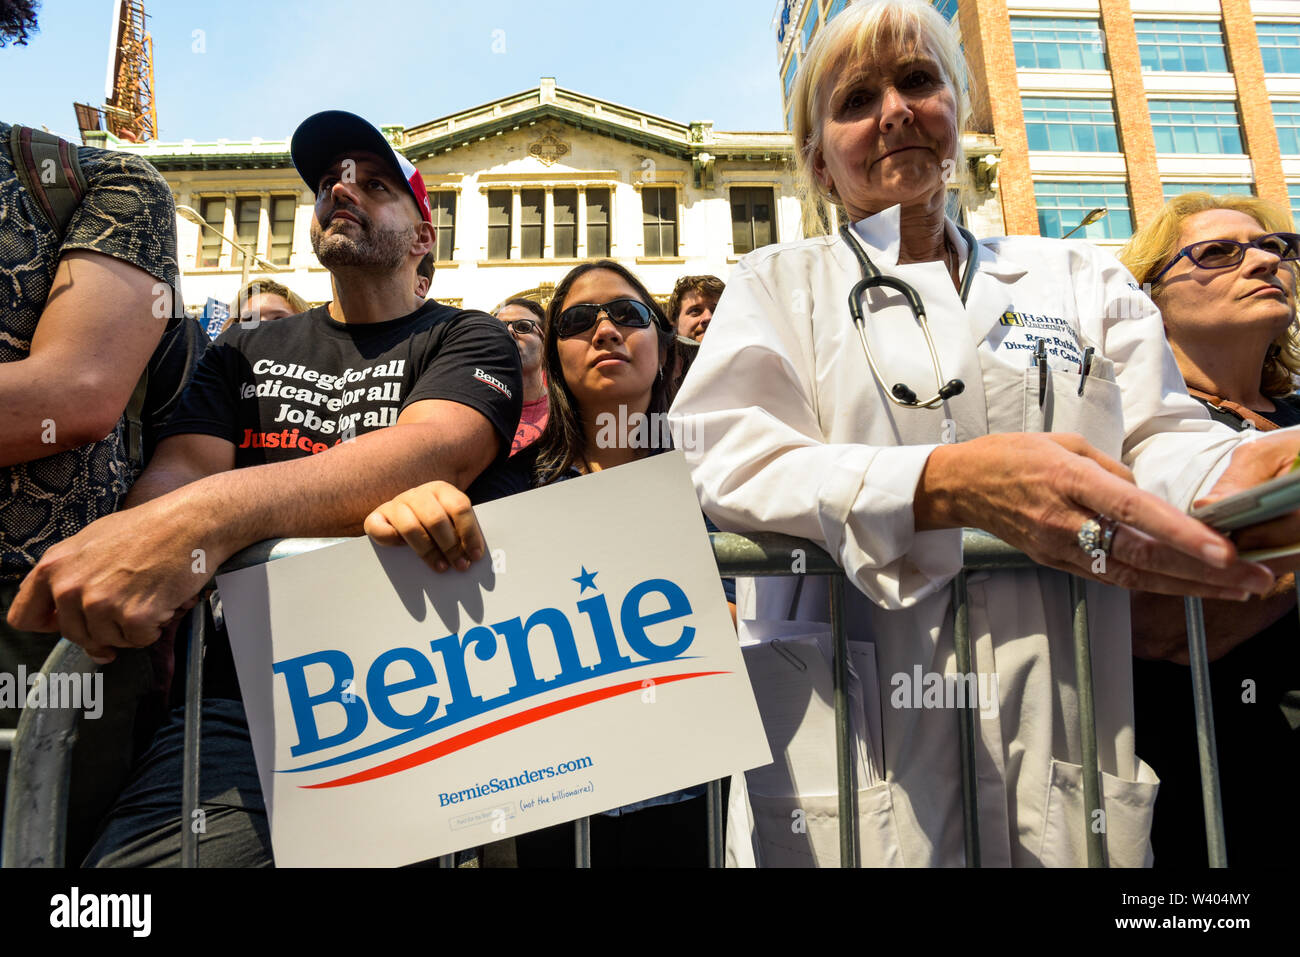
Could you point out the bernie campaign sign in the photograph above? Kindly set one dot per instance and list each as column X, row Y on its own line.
column 215, row 314
column 587, row 662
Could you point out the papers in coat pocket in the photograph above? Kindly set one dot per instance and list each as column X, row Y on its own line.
column 790, row 671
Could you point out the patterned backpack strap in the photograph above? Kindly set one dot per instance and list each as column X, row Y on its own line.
column 134, row 413
column 49, row 169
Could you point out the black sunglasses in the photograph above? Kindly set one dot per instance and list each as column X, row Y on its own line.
column 524, row 327
column 631, row 313
column 1222, row 253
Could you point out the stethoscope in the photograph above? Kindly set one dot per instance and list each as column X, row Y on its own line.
column 900, row 394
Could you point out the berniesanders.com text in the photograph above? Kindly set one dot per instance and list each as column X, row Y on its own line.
column 496, row 785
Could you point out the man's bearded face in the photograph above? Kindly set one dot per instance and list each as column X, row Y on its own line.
column 341, row 241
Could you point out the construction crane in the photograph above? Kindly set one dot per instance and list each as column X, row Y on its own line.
column 128, row 110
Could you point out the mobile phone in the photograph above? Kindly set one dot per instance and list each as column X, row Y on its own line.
column 1253, row 506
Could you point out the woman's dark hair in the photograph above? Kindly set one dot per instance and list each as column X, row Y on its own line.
column 563, row 442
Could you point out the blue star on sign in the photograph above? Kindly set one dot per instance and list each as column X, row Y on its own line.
column 586, row 580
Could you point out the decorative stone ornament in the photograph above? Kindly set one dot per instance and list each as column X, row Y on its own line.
column 548, row 149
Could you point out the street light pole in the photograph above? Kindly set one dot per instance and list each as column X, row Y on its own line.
column 1089, row 218
column 195, row 217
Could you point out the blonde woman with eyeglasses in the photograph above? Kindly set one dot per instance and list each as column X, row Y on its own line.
column 1222, row 269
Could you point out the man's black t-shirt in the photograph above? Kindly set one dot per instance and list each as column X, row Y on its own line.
column 292, row 387
column 300, row 385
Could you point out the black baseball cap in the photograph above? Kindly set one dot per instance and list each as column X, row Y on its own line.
column 323, row 137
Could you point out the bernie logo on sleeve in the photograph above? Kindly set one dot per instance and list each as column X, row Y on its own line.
column 494, row 382
column 352, row 702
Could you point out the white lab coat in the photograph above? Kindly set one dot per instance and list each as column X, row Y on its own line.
column 786, row 430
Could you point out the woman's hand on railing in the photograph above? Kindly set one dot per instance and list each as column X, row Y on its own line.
column 436, row 520
column 1035, row 491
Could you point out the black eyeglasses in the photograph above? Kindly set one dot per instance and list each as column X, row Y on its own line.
column 1222, row 253
column 524, row 327
column 631, row 313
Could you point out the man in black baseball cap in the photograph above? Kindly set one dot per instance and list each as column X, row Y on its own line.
column 372, row 211
column 333, row 134
column 293, row 428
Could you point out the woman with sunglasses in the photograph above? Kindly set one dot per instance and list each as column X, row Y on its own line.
column 606, row 346
column 1222, row 271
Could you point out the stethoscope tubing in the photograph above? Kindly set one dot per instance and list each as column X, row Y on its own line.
column 872, row 278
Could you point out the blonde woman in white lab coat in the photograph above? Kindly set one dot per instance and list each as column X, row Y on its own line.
column 799, row 436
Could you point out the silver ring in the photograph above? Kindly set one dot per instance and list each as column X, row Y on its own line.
column 1107, row 533
column 1095, row 536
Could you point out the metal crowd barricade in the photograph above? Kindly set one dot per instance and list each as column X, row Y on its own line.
column 35, row 811
column 40, row 769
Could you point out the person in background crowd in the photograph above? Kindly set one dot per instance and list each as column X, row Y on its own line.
column 690, row 310
column 424, row 276
column 263, row 300
column 1047, row 369
column 607, row 344
column 526, row 320
column 75, row 289
column 241, row 462
column 1222, row 270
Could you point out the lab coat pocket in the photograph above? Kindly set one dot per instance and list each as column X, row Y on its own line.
column 1128, row 807
column 794, row 799
column 1097, row 415
column 804, row 830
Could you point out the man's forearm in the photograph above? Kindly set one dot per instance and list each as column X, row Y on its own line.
column 322, row 495
column 156, row 482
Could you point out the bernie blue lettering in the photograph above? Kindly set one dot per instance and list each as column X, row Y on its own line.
column 304, row 703
column 516, row 635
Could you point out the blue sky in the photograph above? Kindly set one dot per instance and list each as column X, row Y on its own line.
column 267, row 64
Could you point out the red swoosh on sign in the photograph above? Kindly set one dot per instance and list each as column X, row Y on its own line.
column 501, row 726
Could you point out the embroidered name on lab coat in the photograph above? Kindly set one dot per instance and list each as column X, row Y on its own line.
column 1034, row 321
column 1021, row 333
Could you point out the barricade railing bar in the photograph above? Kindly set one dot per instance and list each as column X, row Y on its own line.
column 35, row 810
column 40, row 771
column 1207, row 750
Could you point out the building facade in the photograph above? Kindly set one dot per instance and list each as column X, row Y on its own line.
column 1117, row 104
column 522, row 188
